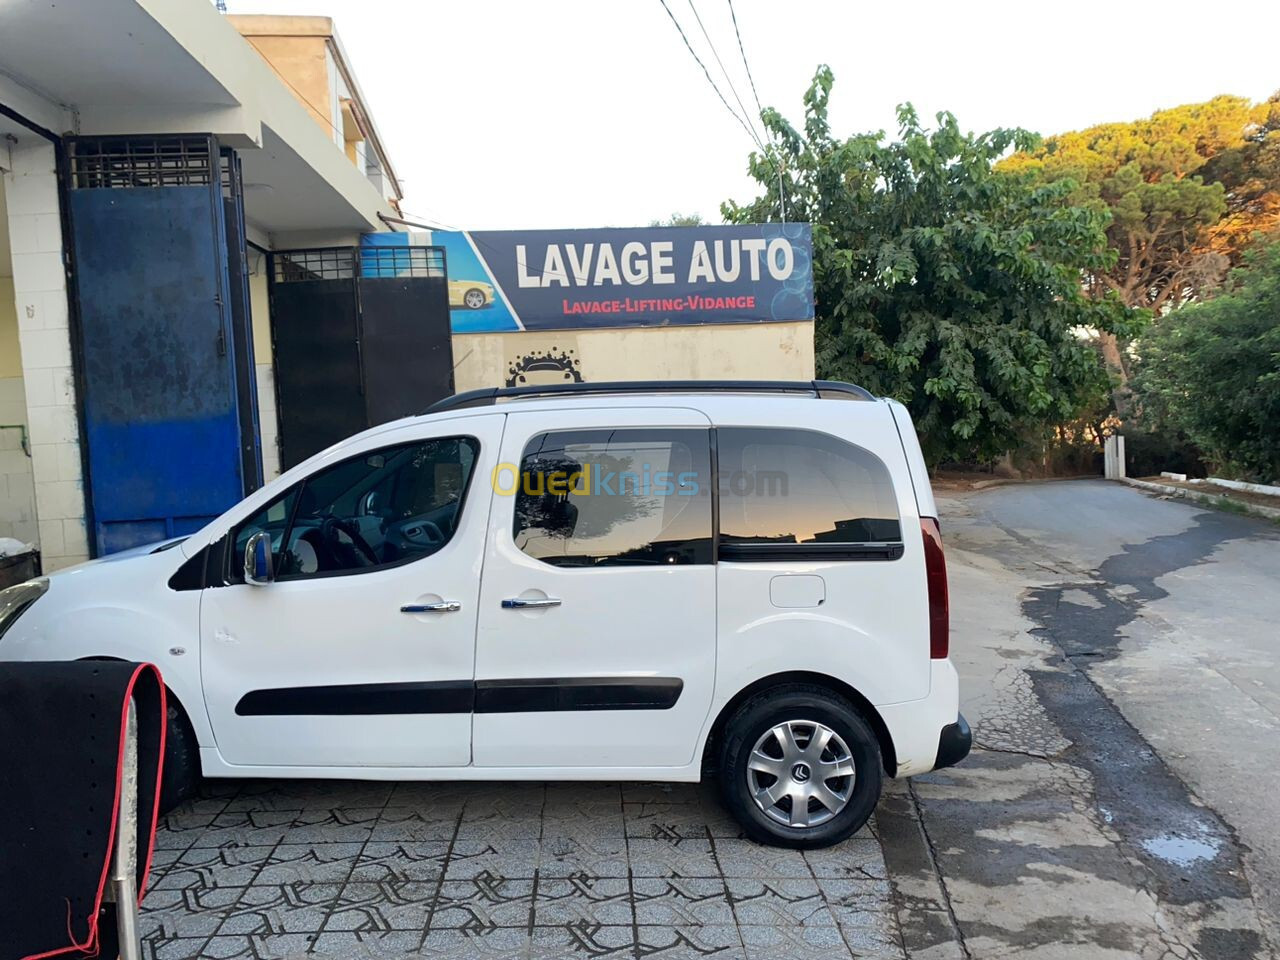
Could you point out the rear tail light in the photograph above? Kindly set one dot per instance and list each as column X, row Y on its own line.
column 935, row 565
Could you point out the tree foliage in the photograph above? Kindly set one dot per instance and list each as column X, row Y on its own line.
column 939, row 281
column 1148, row 175
column 1250, row 174
column 678, row 220
column 1212, row 370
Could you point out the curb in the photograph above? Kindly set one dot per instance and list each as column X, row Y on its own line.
column 1213, row 500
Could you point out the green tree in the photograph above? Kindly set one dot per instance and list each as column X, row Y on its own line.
column 939, row 281
column 1150, row 175
column 1212, row 370
column 1250, row 174
column 679, row 220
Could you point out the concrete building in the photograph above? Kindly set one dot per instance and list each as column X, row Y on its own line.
column 106, row 107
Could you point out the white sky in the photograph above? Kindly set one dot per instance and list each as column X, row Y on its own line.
column 576, row 113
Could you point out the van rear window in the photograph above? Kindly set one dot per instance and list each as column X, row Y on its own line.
column 802, row 489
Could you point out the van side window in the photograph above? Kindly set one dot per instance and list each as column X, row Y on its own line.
column 591, row 498
column 802, row 492
column 375, row 510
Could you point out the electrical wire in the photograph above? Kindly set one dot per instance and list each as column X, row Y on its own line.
column 746, row 66
column 707, row 73
column 727, row 79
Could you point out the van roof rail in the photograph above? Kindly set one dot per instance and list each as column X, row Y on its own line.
column 488, row 396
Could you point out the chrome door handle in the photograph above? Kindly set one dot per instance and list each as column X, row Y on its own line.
column 519, row 603
column 443, row 606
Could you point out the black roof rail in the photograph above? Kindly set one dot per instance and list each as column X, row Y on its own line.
column 487, row 396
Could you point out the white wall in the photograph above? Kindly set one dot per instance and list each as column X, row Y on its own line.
column 40, row 300
column 17, row 486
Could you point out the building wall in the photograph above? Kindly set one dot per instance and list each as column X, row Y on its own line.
column 303, row 62
column 264, row 367
column 40, row 302
column 747, row 351
column 17, row 484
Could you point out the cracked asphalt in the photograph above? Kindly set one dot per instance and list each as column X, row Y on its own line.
column 1119, row 662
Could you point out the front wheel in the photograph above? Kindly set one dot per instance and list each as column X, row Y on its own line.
column 181, row 760
column 474, row 299
column 799, row 767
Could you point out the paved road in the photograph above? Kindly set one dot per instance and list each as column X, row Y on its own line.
column 1119, row 656
column 1120, row 659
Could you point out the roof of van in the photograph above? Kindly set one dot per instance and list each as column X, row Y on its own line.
column 490, row 396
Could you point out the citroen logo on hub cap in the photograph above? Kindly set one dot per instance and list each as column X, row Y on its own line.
column 800, row 773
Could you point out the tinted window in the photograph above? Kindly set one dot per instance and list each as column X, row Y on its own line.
column 613, row 497
column 371, row 511
column 802, row 487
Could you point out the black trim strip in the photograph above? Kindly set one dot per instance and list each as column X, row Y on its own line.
column 577, row 693
column 775, row 552
column 464, row 696
column 360, row 699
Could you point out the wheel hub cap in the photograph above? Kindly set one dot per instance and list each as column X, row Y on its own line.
column 801, row 773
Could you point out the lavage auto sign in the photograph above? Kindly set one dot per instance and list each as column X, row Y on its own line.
column 649, row 276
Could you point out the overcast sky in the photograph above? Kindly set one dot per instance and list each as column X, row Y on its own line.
column 575, row 113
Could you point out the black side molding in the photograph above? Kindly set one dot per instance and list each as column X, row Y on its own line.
column 464, row 696
column 359, row 699
column 578, row 693
column 954, row 743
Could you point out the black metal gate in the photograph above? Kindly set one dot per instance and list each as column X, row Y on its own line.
column 361, row 336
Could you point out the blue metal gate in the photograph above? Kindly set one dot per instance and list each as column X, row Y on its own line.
column 157, row 344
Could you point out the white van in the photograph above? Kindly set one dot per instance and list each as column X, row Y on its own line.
column 610, row 581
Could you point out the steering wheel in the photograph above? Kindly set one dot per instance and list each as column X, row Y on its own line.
column 329, row 529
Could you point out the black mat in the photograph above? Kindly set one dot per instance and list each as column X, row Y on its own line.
column 61, row 754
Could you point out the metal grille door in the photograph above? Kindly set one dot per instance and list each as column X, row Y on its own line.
column 361, row 337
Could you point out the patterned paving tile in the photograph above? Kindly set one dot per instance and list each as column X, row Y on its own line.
column 310, row 863
column 400, row 861
column 689, row 942
column 416, row 824
column 251, row 828
column 571, row 855
column 201, row 868
column 681, row 901
column 497, row 943
column 746, row 858
column 268, row 870
column 583, row 900
column 181, row 914
column 582, row 940
column 513, row 859
column 482, row 903
column 778, row 902
column 365, row 907
column 793, row 942
column 672, row 858
column 273, row 909
column 376, row 945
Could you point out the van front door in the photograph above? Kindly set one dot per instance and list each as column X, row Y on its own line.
column 596, row 640
column 361, row 650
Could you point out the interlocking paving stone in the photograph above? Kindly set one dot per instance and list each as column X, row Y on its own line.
column 286, row 870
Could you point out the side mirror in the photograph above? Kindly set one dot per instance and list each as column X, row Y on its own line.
column 259, row 568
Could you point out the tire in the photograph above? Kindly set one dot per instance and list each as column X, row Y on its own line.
column 783, row 772
column 181, row 760
column 474, row 299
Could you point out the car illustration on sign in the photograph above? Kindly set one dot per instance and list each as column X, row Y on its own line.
column 472, row 294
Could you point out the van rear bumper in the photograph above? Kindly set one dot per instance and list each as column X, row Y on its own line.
column 928, row 733
column 954, row 743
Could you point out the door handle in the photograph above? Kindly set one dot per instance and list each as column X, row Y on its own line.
column 520, row 603
column 442, row 606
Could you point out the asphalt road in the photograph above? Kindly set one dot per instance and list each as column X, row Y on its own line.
column 1120, row 660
